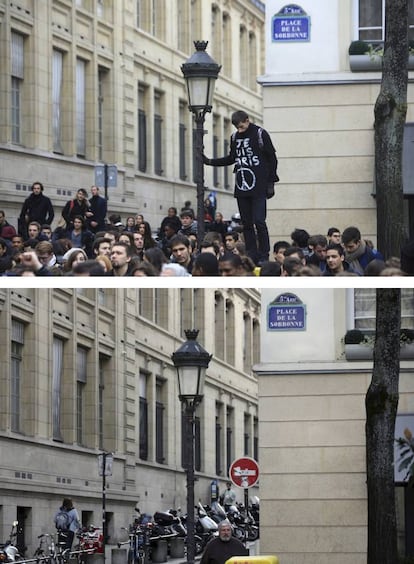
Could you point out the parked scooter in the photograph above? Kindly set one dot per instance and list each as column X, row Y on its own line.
column 9, row 551
column 205, row 527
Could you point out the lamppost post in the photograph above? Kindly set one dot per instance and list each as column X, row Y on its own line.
column 200, row 72
column 191, row 361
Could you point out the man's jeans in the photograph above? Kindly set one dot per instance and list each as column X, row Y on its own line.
column 253, row 214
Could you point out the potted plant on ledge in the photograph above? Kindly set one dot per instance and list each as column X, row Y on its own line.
column 367, row 57
column 359, row 345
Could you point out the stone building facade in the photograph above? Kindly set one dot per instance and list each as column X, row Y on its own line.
column 86, row 371
column 312, row 390
column 320, row 113
column 92, row 82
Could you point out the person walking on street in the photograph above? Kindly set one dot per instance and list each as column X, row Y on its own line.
column 254, row 156
column 223, row 547
column 67, row 523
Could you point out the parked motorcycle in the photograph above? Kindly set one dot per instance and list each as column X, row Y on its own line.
column 205, row 527
column 244, row 527
column 9, row 551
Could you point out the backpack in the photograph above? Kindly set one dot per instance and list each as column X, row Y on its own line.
column 62, row 521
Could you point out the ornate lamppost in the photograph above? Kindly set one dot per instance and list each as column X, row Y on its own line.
column 200, row 72
column 191, row 361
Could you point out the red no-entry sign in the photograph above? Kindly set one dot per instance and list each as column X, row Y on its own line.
column 244, row 472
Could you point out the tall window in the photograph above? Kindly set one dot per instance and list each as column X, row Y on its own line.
column 17, row 75
column 229, row 437
column 80, row 108
column 219, row 438
column 17, row 342
column 57, row 387
column 101, row 405
column 101, row 79
column 80, row 391
column 371, row 17
column 364, row 308
column 158, row 149
column 247, row 438
column 57, row 76
column 143, row 417
column 142, row 129
column 216, row 122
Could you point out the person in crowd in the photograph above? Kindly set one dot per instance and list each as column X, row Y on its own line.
column 46, row 255
column 143, row 268
column 145, row 229
column 228, row 497
column 33, row 231
column 46, row 231
column 6, row 257
column 279, row 249
column 172, row 219
column 181, row 251
column 300, row 238
column 218, row 225
column 205, row 264
column 37, row 207
column 156, row 258
column 174, row 269
column 98, row 207
column 101, row 247
column 90, row 267
column 7, row 231
column 121, row 255
column 139, row 218
column 71, row 258
column 230, row 240
column 291, row 265
column 319, row 245
column 254, row 156
column 220, row 549
column 130, row 224
column 80, row 236
column 126, row 237
column 357, row 253
column 270, row 268
column 188, row 223
column 210, row 246
column 334, row 236
column 297, row 252
column 165, row 242
column 116, row 223
column 231, row 264
column 30, row 261
column 375, row 268
column 17, row 244
column 336, row 265
column 105, row 262
column 138, row 245
column 78, row 207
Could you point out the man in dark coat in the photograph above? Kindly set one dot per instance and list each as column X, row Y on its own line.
column 98, row 207
column 223, row 547
column 254, row 156
column 37, row 207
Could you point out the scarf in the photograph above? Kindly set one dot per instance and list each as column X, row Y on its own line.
column 353, row 258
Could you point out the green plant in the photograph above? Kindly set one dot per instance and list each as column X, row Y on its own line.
column 354, row 337
column 406, row 459
column 358, row 48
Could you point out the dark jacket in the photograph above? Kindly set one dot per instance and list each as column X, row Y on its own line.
column 218, row 551
column 99, row 207
column 74, row 208
column 255, row 162
column 37, row 207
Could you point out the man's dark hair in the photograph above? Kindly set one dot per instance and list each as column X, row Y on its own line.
column 91, row 267
column 115, row 218
column 239, row 117
column 187, row 213
column 36, row 183
column 98, row 241
column 179, row 239
column 82, row 191
column 332, row 230
column 291, row 250
column 233, row 259
column 300, row 238
column 208, row 264
column 335, row 247
column 315, row 240
column 233, row 234
column 291, row 265
column 351, row 234
column 207, row 244
column 270, row 268
column 280, row 245
column 45, row 226
column 128, row 248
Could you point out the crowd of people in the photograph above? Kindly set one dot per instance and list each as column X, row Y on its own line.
column 86, row 243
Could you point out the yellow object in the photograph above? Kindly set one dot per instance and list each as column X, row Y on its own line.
column 259, row 559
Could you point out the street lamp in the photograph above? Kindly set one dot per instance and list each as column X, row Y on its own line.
column 191, row 361
column 200, row 72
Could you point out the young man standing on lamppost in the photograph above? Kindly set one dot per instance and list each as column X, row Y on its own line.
column 254, row 156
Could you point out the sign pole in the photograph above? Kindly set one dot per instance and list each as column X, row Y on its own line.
column 246, row 513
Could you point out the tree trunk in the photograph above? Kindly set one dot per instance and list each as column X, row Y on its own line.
column 381, row 405
column 390, row 113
